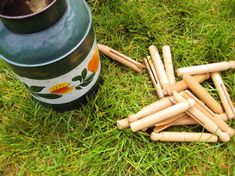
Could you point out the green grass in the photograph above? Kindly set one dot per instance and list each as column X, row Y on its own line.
column 38, row 141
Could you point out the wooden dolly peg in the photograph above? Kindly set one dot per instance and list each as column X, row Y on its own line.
column 150, row 109
column 154, row 78
column 223, row 94
column 183, row 137
column 167, row 57
column 207, row 68
column 164, row 114
column 119, row 57
column 159, row 67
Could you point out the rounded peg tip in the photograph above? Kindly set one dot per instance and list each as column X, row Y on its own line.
column 124, row 123
column 224, row 137
column 152, row 47
column 154, row 136
column 166, row 46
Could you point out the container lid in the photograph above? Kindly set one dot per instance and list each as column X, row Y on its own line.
column 30, row 16
column 50, row 45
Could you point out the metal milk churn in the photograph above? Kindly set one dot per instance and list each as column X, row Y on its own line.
column 51, row 47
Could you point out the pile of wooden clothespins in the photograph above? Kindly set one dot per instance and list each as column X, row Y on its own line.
column 181, row 103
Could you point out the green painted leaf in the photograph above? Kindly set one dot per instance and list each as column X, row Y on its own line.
column 36, row 88
column 78, row 88
column 49, row 96
column 90, row 77
column 84, row 73
column 85, row 83
column 77, row 78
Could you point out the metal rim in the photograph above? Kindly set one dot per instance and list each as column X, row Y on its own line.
column 30, row 15
column 61, row 57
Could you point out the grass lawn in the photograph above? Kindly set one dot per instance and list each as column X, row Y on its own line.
column 38, row 141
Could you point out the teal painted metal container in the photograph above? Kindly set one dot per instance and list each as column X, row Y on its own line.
column 51, row 47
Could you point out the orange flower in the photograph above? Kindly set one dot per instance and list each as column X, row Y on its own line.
column 94, row 62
